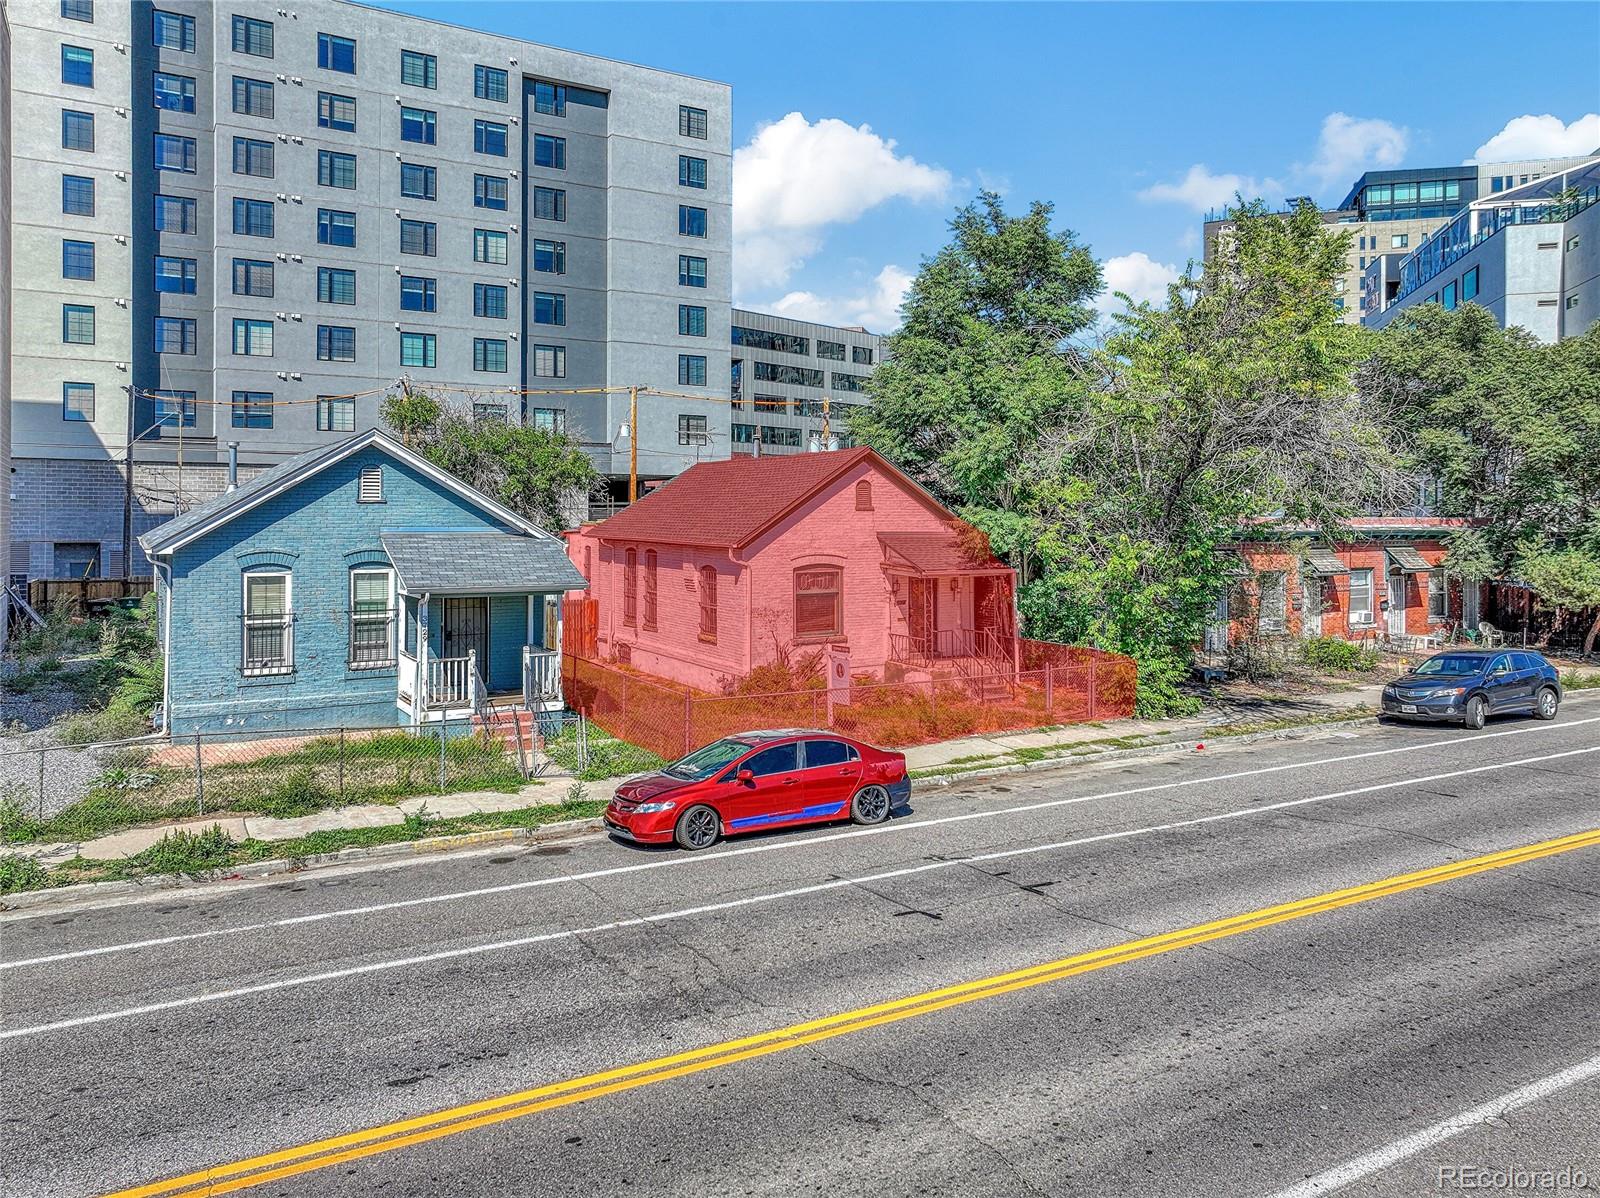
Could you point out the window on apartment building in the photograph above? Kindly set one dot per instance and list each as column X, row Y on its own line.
column 253, row 97
column 549, row 420
column 549, row 151
column 172, row 31
column 77, row 130
column 77, row 10
column 174, row 93
column 630, row 588
column 419, row 125
column 1360, row 597
column 818, row 603
column 336, row 343
column 549, row 203
column 692, row 430
column 175, row 335
column 691, row 221
column 691, row 271
column 336, row 53
column 77, row 195
column 550, row 257
column 253, row 157
column 1572, row 302
column 267, row 635
column 549, row 99
column 692, row 370
column 419, row 237
column 489, row 191
column 418, row 294
column 175, row 153
column 832, row 350
column 691, row 321
column 419, row 350
column 861, row 355
column 77, row 259
column 691, row 122
column 849, row 382
column 549, row 307
column 252, row 409
column 490, row 83
column 1438, row 595
column 708, row 604
column 252, row 276
column 1451, row 293
column 252, row 218
column 489, row 354
column 491, row 410
column 1469, row 285
column 252, row 338
column 418, row 69
column 491, row 246
column 335, row 227
column 336, row 414
column 489, row 300
column 251, row 36
column 175, row 409
column 1399, row 241
column 1273, row 601
column 793, row 376
column 77, row 66
column 419, row 182
column 175, row 276
column 489, row 137
column 77, row 401
column 691, row 171
column 650, row 573
column 336, row 112
column 77, row 324
column 550, row 361
column 338, row 170
column 335, row 286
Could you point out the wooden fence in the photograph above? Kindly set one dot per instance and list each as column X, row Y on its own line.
column 84, row 594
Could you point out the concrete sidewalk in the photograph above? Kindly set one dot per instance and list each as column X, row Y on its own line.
column 966, row 754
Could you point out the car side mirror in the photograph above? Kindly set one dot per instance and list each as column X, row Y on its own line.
column 744, row 776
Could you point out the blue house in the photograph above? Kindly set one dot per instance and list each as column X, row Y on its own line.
column 357, row 585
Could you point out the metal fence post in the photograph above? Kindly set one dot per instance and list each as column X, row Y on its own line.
column 1049, row 690
column 688, row 724
column 199, row 779
column 341, row 765
column 41, row 784
column 1094, row 675
column 441, row 756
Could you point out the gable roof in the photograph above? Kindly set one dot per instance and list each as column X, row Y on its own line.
column 214, row 513
column 725, row 505
column 480, row 563
column 960, row 549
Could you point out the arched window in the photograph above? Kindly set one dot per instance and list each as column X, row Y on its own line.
column 630, row 588
column 650, row 589
column 863, row 496
column 708, row 604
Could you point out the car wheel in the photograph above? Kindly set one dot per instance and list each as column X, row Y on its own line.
column 697, row 828
column 1545, row 704
column 1477, row 712
column 870, row 806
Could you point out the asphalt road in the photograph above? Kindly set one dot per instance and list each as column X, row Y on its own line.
column 1327, row 1047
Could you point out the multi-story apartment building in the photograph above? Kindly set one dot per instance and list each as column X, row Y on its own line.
column 249, row 224
column 5, row 325
column 1530, row 254
column 790, row 377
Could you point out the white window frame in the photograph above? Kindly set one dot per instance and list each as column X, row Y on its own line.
column 388, row 618
column 1438, row 589
column 286, row 665
column 1362, row 617
column 1279, row 620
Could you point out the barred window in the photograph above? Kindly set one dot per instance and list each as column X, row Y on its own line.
column 372, row 619
column 268, row 641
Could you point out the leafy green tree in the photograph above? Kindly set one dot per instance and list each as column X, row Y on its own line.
column 535, row 473
column 1510, row 428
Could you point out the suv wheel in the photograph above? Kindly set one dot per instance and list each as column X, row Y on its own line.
column 1477, row 712
column 1545, row 703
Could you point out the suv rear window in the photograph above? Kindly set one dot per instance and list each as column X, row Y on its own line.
column 1527, row 661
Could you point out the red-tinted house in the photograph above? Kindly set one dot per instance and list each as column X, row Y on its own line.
column 733, row 564
column 1387, row 582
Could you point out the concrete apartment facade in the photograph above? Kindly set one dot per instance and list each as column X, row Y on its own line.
column 1530, row 255
column 262, row 221
column 782, row 370
column 5, row 324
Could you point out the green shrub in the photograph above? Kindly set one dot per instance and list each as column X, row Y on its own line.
column 299, row 792
column 1160, row 692
column 99, row 727
column 21, row 873
column 1575, row 680
column 181, row 852
column 608, row 756
column 1334, row 653
column 16, row 825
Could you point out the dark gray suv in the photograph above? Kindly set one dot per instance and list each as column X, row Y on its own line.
column 1470, row 685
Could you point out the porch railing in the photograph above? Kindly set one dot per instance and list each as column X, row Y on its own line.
column 453, row 681
column 944, row 644
column 541, row 676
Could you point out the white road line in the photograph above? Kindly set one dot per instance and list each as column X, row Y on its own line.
column 749, row 901
column 786, row 845
column 1420, row 1141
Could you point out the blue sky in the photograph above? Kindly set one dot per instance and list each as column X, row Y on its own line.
column 1090, row 106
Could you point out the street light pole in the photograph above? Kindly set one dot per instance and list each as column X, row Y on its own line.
column 633, row 444
column 127, row 493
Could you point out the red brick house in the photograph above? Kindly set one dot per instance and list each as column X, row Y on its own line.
column 732, row 564
column 1387, row 583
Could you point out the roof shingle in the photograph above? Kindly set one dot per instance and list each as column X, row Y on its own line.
column 479, row 563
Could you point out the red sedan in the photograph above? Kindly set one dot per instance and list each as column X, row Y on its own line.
column 758, row 780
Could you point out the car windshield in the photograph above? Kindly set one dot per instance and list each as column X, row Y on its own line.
column 1451, row 663
column 702, row 763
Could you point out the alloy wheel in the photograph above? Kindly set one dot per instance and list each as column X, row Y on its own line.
column 871, row 806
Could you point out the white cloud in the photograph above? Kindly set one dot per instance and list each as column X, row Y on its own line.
column 795, row 177
column 1143, row 278
column 1350, row 145
column 875, row 308
column 1203, row 190
column 1540, row 137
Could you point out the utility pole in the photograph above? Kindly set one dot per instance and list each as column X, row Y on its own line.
column 633, row 444
column 824, row 424
column 127, row 493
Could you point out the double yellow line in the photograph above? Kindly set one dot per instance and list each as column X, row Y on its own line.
column 335, row 1150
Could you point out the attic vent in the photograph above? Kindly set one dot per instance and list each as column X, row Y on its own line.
column 863, row 496
column 371, row 485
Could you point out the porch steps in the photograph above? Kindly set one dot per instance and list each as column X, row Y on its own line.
column 514, row 727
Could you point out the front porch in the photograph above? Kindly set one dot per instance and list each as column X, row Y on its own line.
column 954, row 612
